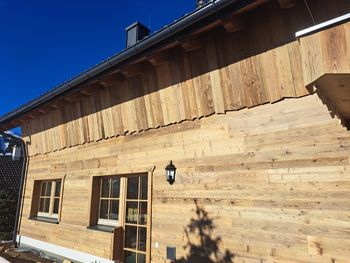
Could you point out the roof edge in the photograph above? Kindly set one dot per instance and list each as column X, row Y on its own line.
column 166, row 32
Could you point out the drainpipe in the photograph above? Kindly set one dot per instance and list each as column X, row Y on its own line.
column 20, row 190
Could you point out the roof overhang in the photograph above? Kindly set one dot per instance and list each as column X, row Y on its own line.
column 188, row 24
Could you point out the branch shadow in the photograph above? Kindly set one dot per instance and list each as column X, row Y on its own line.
column 202, row 245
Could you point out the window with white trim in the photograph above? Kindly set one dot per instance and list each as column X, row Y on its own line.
column 109, row 201
column 49, row 198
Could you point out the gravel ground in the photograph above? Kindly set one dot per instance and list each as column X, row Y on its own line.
column 12, row 254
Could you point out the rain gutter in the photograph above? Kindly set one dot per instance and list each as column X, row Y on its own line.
column 165, row 33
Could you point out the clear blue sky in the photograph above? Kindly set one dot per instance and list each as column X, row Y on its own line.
column 46, row 42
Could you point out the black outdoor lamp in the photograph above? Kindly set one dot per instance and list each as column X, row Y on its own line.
column 170, row 171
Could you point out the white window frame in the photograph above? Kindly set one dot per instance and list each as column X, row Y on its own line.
column 110, row 222
column 50, row 214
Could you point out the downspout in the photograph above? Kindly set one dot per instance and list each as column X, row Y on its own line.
column 20, row 190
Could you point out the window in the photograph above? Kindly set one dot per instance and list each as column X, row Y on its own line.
column 123, row 201
column 109, row 201
column 49, row 198
column 135, row 248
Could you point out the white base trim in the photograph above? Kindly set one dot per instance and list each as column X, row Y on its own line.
column 322, row 25
column 74, row 255
column 2, row 260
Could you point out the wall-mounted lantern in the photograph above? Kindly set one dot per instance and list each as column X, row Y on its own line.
column 170, row 171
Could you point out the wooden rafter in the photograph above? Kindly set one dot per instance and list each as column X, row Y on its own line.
column 159, row 57
column 134, row 69
column 58, row 103
column 191, row 43
column 110, row 79
column 91, row 88
column 232, row 23
column 74, row 96
column 287, row 3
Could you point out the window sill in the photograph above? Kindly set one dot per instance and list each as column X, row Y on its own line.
column 102, row 228
column 45, row 219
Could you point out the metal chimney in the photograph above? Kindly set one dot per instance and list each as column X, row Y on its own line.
column 135, row 33
column 201, row 3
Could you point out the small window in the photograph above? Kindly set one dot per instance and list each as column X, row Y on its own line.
column 49, row 198
column 109, row 201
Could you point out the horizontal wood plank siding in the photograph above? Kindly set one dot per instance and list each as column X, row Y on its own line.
column 274, row 179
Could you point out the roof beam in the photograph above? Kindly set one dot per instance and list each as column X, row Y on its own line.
column 134, row 69
column 74, row 96
column 6, row 127
column 191, row 43
column 232, row 23
column 108, row 80
column 27, row 117
column 251, row 6
column 15, row 123
column 45, row 108
column 58, row 103
column 35, row 113
column 287, row 3
column 163, row 56
column 159, row 57
column 91, row 88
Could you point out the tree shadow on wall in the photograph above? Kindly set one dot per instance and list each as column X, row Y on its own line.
column 202, row 245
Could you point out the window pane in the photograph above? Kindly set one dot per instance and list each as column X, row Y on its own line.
column 115, row 187
column 130, row 236
column 58, row 188
column 144, row 188
column 141, row 258
column 129, row 257
column 46, row 205
column 131, row 212
column 142, row 239
column 143, row 213
column 104, row 209
column 133, row 188
column 56, row 205
column 114, row 210
column 43, row 186
column 41, row 204
column 105, row 187
column 48, row 188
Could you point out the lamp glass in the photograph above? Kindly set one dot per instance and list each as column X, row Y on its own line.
column 170, row 172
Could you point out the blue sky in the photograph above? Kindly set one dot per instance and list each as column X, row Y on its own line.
column 44, row 43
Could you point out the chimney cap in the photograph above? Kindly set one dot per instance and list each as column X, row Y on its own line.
column 136, row 23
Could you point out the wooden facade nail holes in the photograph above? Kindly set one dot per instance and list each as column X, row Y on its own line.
column 315, row 246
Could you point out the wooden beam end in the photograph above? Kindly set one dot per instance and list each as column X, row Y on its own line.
column 287, row 3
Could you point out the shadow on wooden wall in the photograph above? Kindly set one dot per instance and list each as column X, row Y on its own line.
column 202, row 246
column 229, row 71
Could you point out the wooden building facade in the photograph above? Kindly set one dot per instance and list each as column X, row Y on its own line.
column 253, row 116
